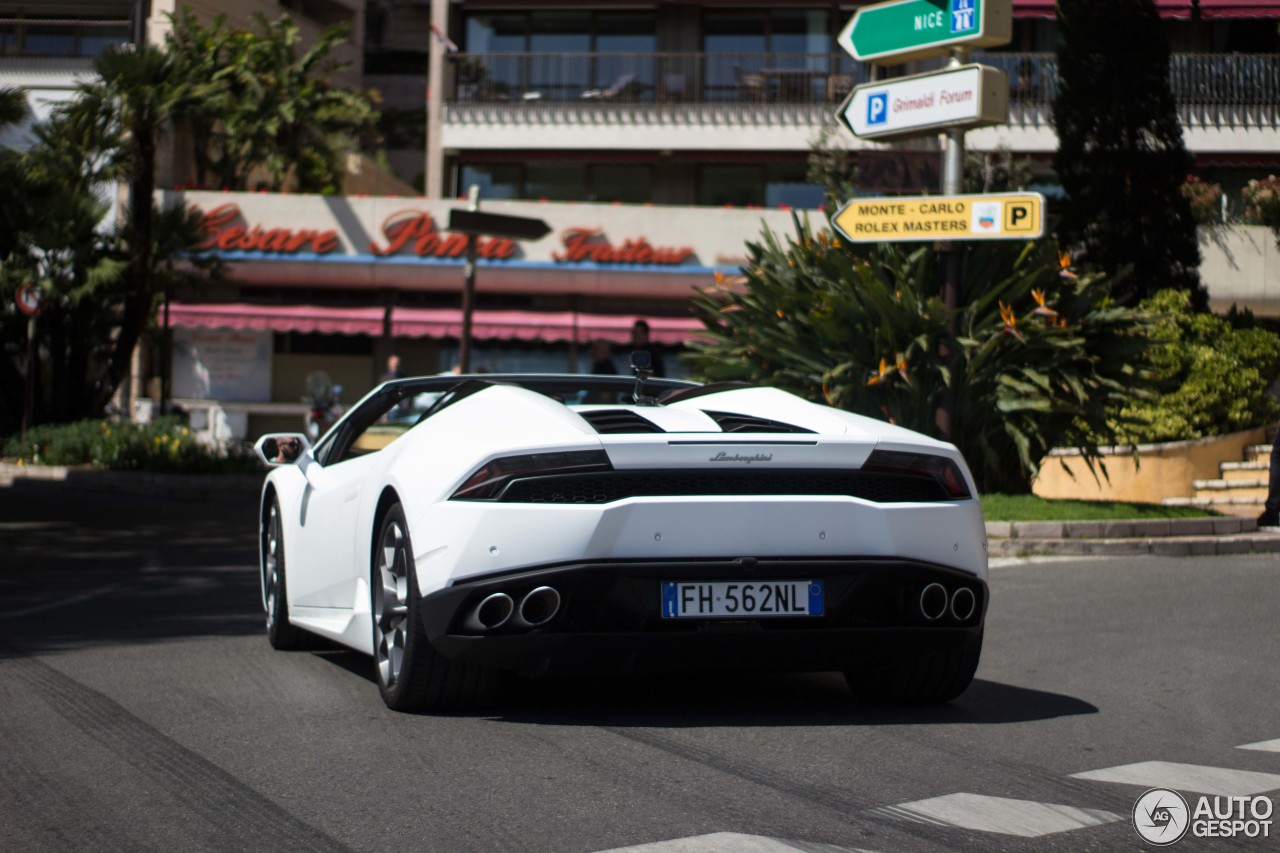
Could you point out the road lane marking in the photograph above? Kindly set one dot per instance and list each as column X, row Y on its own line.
column 61, row 602
column 1002, row 815
column 1220, row 781
column 1263, row 746
column 732, row 842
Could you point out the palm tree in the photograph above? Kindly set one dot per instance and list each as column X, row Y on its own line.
column 140, row 91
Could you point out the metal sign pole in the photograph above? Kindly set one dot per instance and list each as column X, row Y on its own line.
column 468, row 287
column 952, row 184
column 33, row 355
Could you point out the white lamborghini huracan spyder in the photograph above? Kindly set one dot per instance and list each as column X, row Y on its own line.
column 463, row 528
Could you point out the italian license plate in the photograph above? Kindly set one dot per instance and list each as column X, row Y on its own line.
column 741, row 599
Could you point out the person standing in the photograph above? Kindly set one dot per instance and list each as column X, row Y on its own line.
column 640, row 343
column 602, row 363
column 393, row 368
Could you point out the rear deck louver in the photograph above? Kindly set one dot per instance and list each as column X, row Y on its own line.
column 733, row 422
column 615, row 421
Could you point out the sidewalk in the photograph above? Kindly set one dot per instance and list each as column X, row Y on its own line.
column 1178, row 537
column 190, row 487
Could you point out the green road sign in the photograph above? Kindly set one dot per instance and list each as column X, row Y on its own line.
column 902, row 30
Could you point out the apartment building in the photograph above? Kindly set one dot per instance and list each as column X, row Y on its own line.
column 654, row 137
column 714, row 103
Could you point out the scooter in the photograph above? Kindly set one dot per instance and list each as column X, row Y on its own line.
column 323, row 408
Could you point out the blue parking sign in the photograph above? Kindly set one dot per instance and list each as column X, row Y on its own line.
column 878, row 108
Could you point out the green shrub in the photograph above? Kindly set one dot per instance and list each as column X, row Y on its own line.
column 1211, row 378
column 1043, row 355
column 164, row 445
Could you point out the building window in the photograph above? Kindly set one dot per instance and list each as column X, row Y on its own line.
column 559, row 180
column 758, row 185
column 562, row 55
column 775, row 55
column 51, row 38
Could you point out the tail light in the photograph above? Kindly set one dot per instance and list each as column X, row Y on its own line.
column 490, row 479
column 941, row 469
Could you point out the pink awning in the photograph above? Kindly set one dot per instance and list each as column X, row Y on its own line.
column 1239, row 9
column 1177, row 9
column 279, row 318
column 432, row 322
column 538, row 325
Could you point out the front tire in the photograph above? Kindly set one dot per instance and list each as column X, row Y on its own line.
column 921, row 678
column 281, row 633
column 412, row 675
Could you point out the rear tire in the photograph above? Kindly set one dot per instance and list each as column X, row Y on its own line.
column 412, row 675
column 281, row 633
column 922, row 678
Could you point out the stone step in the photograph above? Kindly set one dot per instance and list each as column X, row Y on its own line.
column 1258, row 453
column 1253, row 490
column 1245, row 470
column 1242, row 507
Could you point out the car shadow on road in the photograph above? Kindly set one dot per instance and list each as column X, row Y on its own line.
column 819, row 699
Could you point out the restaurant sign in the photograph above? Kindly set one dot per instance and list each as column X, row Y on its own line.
column 416, row 232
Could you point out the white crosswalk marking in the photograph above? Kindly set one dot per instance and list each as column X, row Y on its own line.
column 733, row 842
column 1221, row 781
column 1263, row 746
column 999, row 814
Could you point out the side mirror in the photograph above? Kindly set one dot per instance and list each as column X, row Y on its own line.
column 281, row 448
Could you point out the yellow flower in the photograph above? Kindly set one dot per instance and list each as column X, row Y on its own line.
column 719, row 279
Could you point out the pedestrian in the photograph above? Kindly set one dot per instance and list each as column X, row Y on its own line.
column 602, row 363
column 393, row 368
column 640, row 343
column 1271, row 509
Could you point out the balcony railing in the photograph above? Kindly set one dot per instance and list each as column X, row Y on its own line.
column 1210, row 90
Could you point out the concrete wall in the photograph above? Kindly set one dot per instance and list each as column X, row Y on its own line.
column 1161, row 470
column 1240, row 265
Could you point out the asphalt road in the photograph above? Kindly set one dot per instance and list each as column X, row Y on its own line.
column 142, row 709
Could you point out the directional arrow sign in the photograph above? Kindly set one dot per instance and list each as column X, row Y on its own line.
column 902, row 30
column 497, row 225
column 968, row 96
column 893, row 219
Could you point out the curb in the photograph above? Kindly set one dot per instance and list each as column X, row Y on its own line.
column 190, row 487
column 1174, row 537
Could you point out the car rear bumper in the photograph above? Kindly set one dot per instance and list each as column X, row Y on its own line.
column 610, row 620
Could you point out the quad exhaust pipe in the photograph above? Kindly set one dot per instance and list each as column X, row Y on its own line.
column 933, row 602
column 538, row 607
column 491, row 613
column 936, row 603
column 963, row 604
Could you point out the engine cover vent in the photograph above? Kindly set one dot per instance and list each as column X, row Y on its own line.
column 733, row 422
column 616, row 421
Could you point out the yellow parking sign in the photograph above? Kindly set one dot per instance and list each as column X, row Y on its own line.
column 889, row 219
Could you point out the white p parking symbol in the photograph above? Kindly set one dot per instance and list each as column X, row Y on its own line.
column 878, row 108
